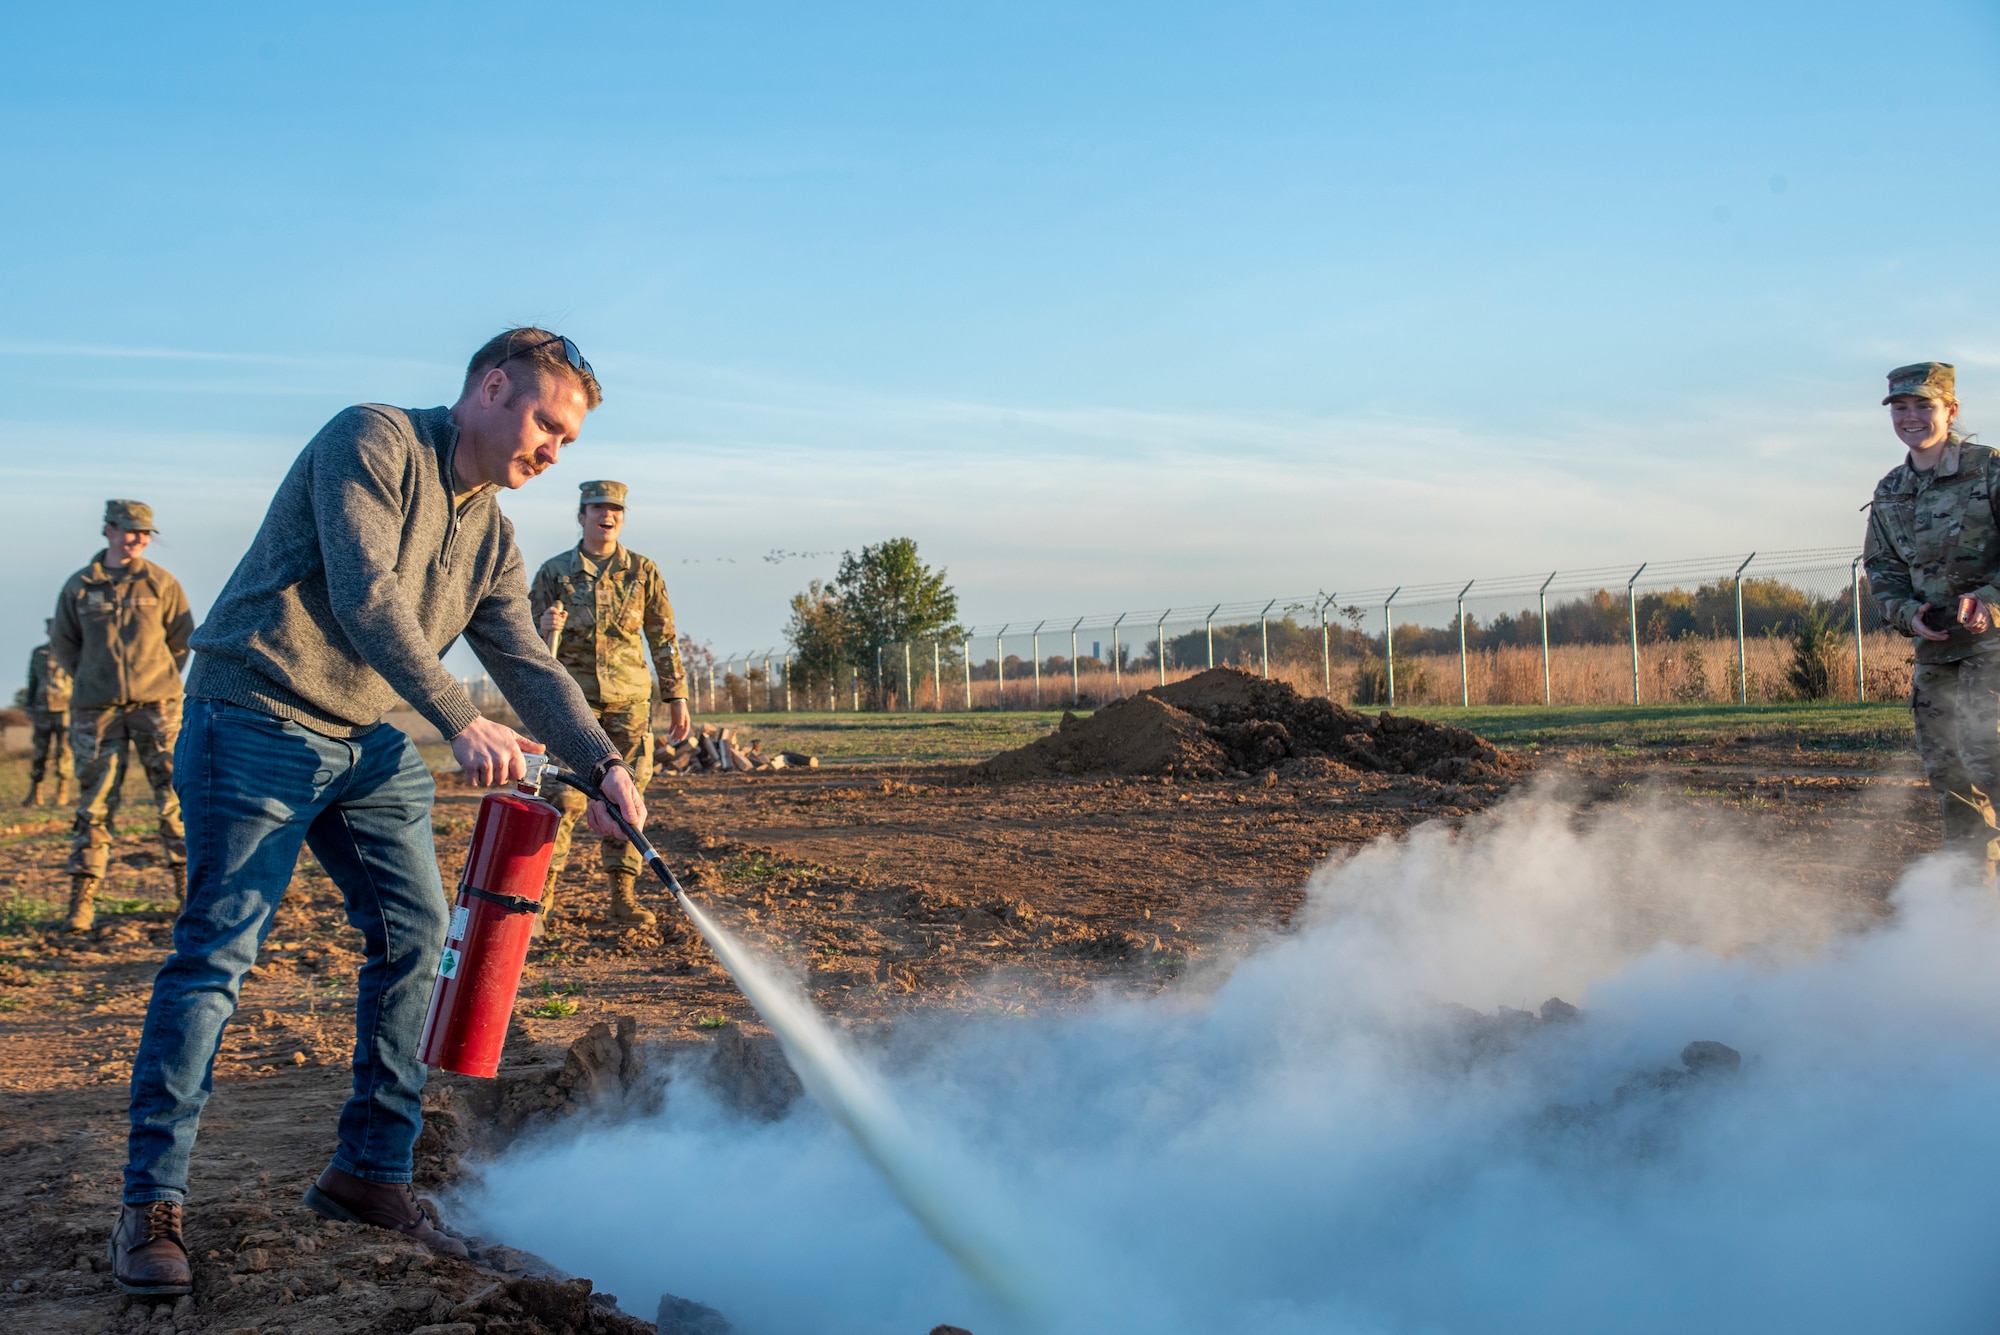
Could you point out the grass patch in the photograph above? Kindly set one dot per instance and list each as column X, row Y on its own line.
column 712, row 1021
column 126, row 906
column 555, row 1008
column 963, row 738
column 1876, row 727
column 548, row 989
column 19, row 914
column 753, row 867
column 921, row 738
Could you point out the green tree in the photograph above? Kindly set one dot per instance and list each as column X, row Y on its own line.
column 818, row 634
column 888, row 595
column 883, row 595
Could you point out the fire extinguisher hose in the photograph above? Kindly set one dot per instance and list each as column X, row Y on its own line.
column 646, row 851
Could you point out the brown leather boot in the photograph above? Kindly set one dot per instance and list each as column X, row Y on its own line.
column 625, row 904
column 62, row 792
column 179, row 872
column 147, row 1254
column 34, row 797
column 355, row 1200
column 82, row 908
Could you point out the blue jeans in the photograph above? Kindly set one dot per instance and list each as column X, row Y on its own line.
column 253, row 788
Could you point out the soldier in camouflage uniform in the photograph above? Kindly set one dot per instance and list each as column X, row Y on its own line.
column 47, row 700
column 603, row 609
column 121, row 631
column 1933, row 547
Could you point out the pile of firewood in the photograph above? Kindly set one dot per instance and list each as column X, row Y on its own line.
column 716, row 750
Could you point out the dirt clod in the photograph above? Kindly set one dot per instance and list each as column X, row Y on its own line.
column 1227, row 722
column 684, row 1316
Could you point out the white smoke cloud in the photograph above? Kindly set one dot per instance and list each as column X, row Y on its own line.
column 1319, row 1142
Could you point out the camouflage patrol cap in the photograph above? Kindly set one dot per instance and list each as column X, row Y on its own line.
column 132, row 516
column 605, row 492
column 1926, row 380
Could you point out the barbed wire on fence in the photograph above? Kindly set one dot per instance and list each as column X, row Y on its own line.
column 1540, row 637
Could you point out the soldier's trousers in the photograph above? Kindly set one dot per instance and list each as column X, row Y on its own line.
column 51, row 746
column 95, row 736
column 1957, row 708
column 630, row 728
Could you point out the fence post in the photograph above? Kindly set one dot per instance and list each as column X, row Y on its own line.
column 1160, row 633
column 909, row 682
column 1209, row 626
column 1326, row 645
column 1038, row 661
column 1742, row 658
column 1632, row 607
column 1117, row 668
column 767, row 679
column 1860, row 688
column 968, row 672
column 1464, row 673
column 1000, row 668
column 1075, row 677
column 1264, row 628
column 1389, row 644
column 788, row 683
column 1548, row 694
column 937, row 677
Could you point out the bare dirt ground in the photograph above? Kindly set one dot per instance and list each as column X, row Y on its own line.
column 890, row 887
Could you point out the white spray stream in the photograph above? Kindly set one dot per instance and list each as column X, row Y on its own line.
column 915, row 1168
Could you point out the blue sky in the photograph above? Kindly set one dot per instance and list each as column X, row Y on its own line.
column 1111, row 305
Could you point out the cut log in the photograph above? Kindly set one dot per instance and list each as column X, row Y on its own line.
column 799, row 760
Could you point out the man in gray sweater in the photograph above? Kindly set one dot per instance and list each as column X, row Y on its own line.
column 383, row 545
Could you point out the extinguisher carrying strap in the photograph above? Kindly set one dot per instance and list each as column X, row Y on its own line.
column 511, row 903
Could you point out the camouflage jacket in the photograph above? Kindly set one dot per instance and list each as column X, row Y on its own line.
column 1934, row 537
column 48, row 684
column 122, row 635
column 614, row 620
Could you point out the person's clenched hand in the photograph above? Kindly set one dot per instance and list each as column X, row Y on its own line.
column 617, row 786
column 489, row 753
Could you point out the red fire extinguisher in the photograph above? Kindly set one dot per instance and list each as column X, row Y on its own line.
column 487, row 943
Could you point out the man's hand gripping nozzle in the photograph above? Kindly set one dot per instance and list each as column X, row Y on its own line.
column 650, row 855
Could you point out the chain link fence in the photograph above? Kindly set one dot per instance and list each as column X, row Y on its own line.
column 1747, row 628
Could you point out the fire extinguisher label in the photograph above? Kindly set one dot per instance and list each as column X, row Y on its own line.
column 448, row 966
column 460, row 916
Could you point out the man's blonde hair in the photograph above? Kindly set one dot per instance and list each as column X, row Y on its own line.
column 537, row 349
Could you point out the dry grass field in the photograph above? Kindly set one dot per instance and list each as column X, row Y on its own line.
column 1691, row 670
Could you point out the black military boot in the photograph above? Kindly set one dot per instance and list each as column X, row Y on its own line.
column 34, row 797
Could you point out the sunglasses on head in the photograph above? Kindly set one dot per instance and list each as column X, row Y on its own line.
column 571, row 354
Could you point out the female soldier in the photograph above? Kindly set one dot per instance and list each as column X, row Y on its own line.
column 1932, row 556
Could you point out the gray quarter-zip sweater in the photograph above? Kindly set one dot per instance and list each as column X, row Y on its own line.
column 363, row 574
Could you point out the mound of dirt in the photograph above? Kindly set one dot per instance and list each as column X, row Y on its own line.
column 1225, row 720
column 1137, row 735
